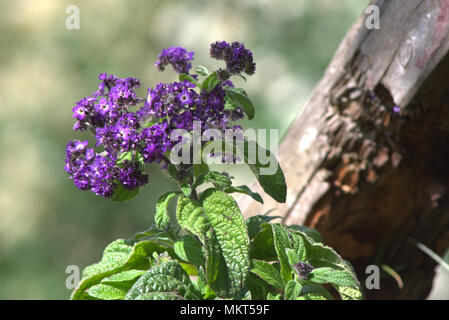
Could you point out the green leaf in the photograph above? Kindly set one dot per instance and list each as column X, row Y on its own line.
column 273, row 184
column 172, row 171
column 312, row 233
column 162, row 218
column 106, row 292
column 159, row 296
column 241, row 100
column 189, row 268
column 219, row 180
column 184, row 76
column 266, row 170
column 190, row 250
column 256, row 286
column 329, row 275
column 311, row 296
column 268, row 273
column 350, row 293
column 244, row 190
column 121, row 194
column 130, row 156
column 186, row 189
column 262, row 246
column 253, row 223
column 221, row 228
column 229, row 227
column 123, row 280
column 117, row 257
column 167, row 277
column 202, row 71
column 200, row 169
column 203, row 287
column 210, row 82
column 316, row 289
column 282, row 242
column 292, row 290
column 274, row 296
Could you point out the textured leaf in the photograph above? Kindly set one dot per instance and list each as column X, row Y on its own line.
column 162, row 218
column 268, row 273
column 229, row 227
column 350, row 293
column 320, row 256
column 221, row 228
column 244, row 190
column 219, row 180
column 167, row 277
column 311, row 296
column 190, row 250
column 117, row 257
column 123, row 280
column 159, row 296
column 329, row 275
column 106, row 292
column 316, row 289
column 281, row 243
column 192, row 217
column 292, row 290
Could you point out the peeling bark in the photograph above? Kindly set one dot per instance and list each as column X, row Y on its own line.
column 366, row 160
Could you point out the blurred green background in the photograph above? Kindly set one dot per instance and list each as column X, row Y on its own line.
column 46, row 223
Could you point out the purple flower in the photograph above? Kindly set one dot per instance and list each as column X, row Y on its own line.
column 127, row 139
column 107, row 104
column 178, row 57
column 238, row 59
column 303, row 270
column 156, row 142
column 132, row 176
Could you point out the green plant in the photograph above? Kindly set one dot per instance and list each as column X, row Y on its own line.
column 206, row 250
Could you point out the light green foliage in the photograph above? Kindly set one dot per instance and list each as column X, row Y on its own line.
column 292, row 290
column 162, row 218
column 231, row 258
column 189, row 249
column 168, row 278
column 117, row 257
column 268, row 273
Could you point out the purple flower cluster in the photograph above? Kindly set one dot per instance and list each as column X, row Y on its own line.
column 178, row 57
column 130, row 139
column 105, row 113
column 238, row 59
column 303, row 270
column 107, row 103
column 178, row 104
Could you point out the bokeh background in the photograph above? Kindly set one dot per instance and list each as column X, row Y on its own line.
column 46, row 223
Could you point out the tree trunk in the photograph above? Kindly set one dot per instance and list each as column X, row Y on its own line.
column 366, row 162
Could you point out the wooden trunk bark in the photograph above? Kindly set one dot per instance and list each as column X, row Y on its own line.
column 364, row 173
